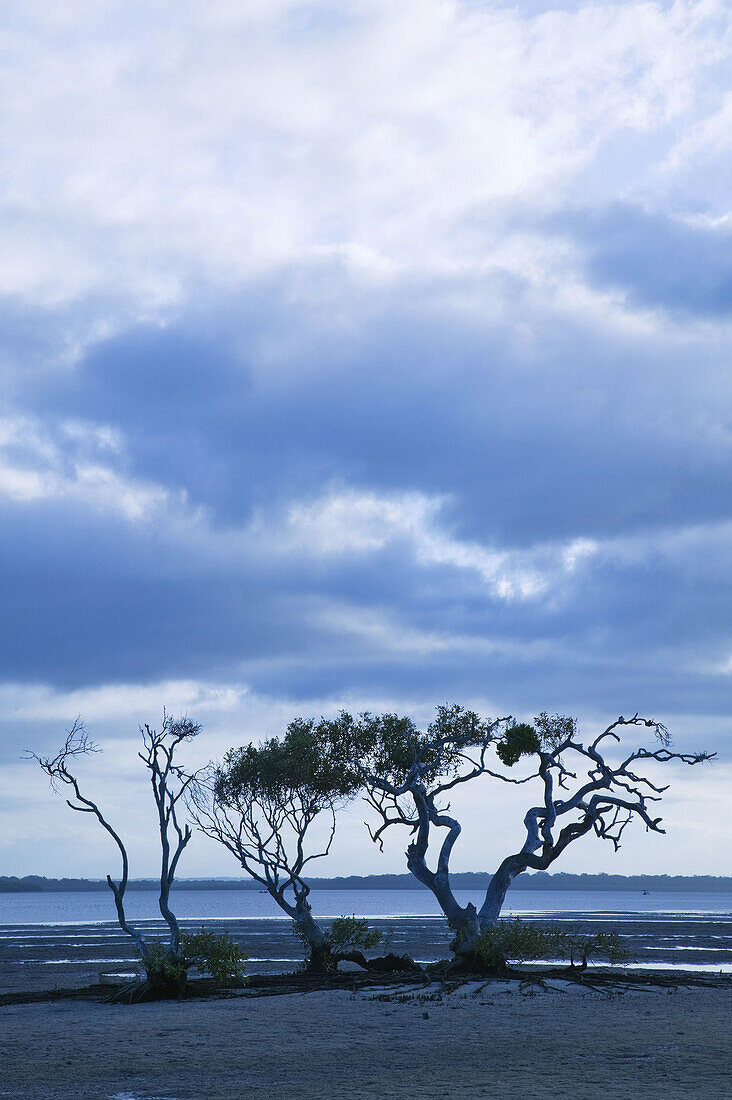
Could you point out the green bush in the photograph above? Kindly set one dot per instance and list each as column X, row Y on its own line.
column 603, row 945
column 351, row 934
column 219, row 956
column 521, row 941
column 515, row 940
column 161, row 967
column 346, row 934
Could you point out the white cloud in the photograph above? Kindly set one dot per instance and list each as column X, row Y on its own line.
column 120, row 702
column 37, row 464
column 152, row 149
column 704, row 142
column 350, row 522
column 82, row 464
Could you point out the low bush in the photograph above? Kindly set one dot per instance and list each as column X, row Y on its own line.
column 217, row 955
column 163, row 970
column 347, row 937
column 352, row 934
column 522, row 941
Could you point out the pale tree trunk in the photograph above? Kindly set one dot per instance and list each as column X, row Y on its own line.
column 463, row 920
column 495, row 894
column 320, row 956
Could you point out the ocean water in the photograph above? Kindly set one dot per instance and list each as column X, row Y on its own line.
column 70, row 939
column 92, row 906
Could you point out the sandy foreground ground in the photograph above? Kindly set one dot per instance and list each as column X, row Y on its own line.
column 480, row 1041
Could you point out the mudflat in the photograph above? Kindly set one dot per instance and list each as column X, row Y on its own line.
column 489, row 1040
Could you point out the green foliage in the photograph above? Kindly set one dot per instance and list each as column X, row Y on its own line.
column 554, row 729
column 220, row 956
column 516, row 940
column 346, row 934
column 519, row 740
column 312, row 763
column 351, row 933
column 522, row 941
column 603, row 945
column 548, row 733
column 390, row 746
column 163, row 968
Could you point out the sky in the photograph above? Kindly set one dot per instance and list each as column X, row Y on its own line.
column 370, row 354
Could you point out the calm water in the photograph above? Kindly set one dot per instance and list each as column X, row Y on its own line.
column 72, row 939
column 80, row 908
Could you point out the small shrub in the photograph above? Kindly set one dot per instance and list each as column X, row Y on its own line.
column 162, row 968
column 516, row 940
column 346, row 934
column 351, row 933
column 604, row 945
column 220, row 956
column 521, row 941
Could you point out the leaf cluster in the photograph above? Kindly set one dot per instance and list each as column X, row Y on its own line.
column 218, row 955
column 393, row 748
column 161, row 966
column 345, row 936
column 548, row 733
column 312, row 762
column 554, row 730
column 519, row 740
column 351, row 933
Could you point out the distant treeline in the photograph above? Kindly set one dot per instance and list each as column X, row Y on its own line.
column 465, row 880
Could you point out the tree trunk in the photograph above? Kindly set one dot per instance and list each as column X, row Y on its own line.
column 320, row 959
column 466, row 926
column 495, row 895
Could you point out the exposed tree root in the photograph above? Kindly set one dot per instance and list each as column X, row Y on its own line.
column 135, row 993
column 392, row 985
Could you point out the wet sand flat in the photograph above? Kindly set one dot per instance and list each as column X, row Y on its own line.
column 37, row 957
column 492, row 1041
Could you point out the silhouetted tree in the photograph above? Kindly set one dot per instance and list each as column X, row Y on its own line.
column 263, row 802
column 407, row 774
column 165, row 965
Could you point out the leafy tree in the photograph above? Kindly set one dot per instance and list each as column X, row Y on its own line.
column 263, row 802
column 165, row 965
column 407, row 774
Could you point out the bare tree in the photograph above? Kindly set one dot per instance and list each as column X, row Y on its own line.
column 583, row 791
column 265, row 802
column 164, row 967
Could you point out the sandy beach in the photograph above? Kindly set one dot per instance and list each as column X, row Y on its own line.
column 483, row 1040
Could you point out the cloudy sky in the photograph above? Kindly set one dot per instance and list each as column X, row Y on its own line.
column 371, row 353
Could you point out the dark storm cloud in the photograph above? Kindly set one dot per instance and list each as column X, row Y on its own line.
column 658, row 260
column 530, row 449
column 573, row 437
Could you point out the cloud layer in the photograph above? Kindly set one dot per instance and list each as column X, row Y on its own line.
column 365, row 354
